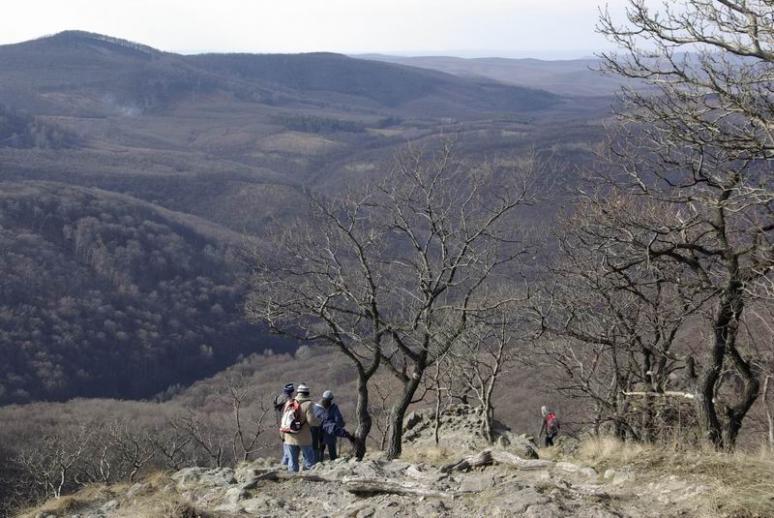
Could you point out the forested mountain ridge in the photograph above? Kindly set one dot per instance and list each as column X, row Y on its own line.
column 129, row 175
column 102, row 294
column 90, row 67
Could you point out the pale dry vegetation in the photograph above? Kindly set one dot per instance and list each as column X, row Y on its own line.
column 741, row 484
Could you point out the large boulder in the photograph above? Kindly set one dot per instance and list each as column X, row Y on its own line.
column 460, row 430
column 522, row 445
column 460, row 427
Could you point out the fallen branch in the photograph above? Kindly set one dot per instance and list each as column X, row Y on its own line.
column 504, row 457
column 360, row 486
column 363, row 486
column 483, row 458
column 488, row 457
column 668, row 393
column 278, row 475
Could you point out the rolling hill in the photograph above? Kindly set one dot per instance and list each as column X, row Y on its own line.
column 129, row 176
column 105, row 73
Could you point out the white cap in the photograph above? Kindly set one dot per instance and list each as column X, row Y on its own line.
column 327, row 395
column 302, row 389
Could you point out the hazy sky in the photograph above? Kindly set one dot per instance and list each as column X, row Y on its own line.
column 537, row 28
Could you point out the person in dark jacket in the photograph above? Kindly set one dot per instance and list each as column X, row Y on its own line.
column 332, row 425
column 319, row 412
column 279, row 405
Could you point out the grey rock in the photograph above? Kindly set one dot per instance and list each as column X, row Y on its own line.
column 522, row 445
column 243, row 473
column 202, row 477
column 188, row 476
column 519, row 502
column 476, row 483
column 234, row 501
column 254, row 505
column 250, row 483
column 235, row 494
column 622, row 476
column 567, row 467
column 566, row 444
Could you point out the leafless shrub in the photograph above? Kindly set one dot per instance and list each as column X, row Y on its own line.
column 245, row 441
column 172, row 446
column 50, row 467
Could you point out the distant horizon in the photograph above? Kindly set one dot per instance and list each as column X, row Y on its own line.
column 555, row 55
column 550, row 55
column 539, row 29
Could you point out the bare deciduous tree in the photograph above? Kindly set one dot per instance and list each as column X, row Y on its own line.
column 209, row 443
column 118, row 451
column 697, row 148
column 323, row 286
column 393, row 276
column 381, row 412
column 133, row 448
column 612, row 330
column 476, row 364
column 171, row 445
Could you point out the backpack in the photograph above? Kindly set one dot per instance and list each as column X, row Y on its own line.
column 280, row 400
column 292, row 420
column 552, row 423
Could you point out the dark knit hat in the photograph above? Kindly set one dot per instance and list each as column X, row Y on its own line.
column 289, row 388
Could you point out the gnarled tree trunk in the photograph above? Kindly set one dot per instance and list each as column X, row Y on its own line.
column 395, row 439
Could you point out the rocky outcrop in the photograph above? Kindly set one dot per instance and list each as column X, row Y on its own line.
column 476, row 479
column 492, row 482
column 461, row 431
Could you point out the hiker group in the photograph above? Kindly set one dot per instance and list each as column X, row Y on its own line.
column 307, row 428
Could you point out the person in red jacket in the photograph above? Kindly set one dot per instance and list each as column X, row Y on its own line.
column 550, row 426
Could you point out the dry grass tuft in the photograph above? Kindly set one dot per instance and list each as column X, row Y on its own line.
column 742, row 484
column 601, row 451
column 429, row 455
column 72, row 503
column 170, row 508
column 158, row 479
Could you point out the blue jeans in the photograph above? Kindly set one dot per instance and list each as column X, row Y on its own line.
column 292, row 452
column 285, row 457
